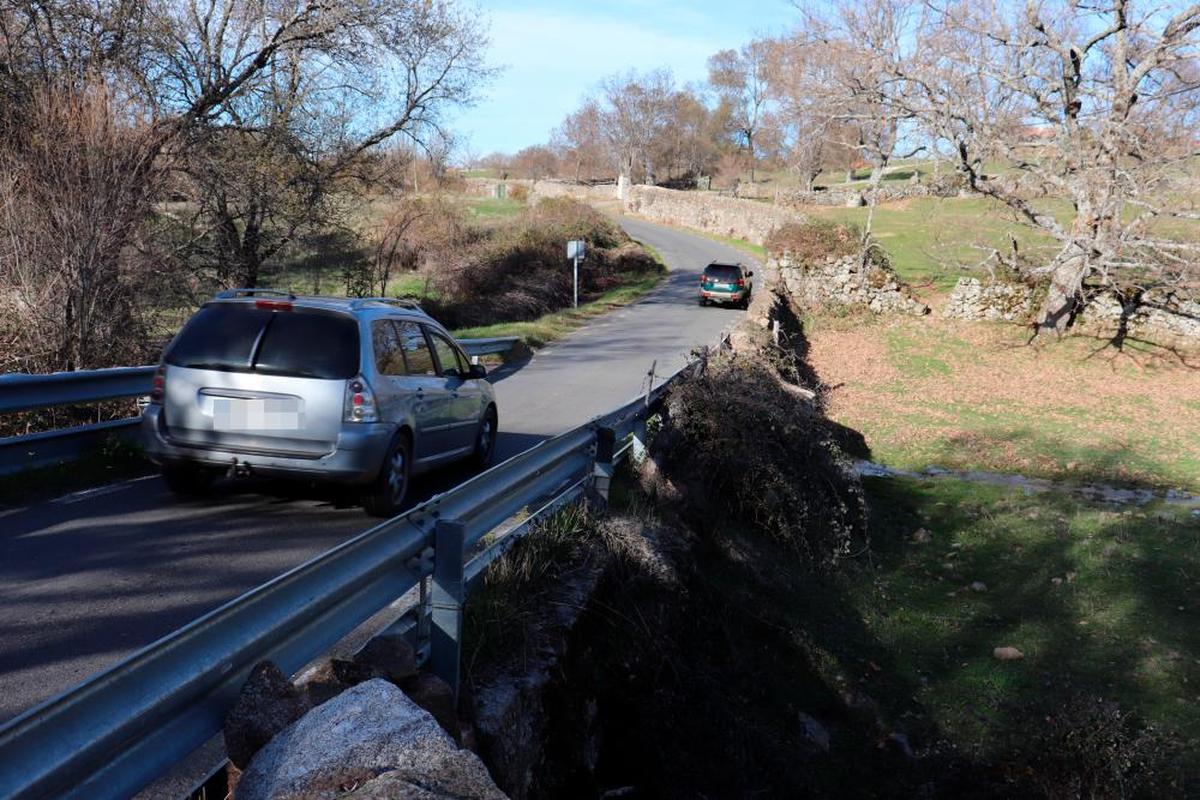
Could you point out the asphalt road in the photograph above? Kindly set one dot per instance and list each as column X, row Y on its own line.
column 91, row 577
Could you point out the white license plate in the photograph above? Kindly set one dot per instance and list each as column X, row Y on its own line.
column 268, row 414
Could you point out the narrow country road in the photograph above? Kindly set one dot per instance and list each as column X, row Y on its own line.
column 89, row 578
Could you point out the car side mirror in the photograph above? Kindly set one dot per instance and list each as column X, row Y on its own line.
column 750, row 274
column 477, row 371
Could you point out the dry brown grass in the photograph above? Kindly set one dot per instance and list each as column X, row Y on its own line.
column 973, row 395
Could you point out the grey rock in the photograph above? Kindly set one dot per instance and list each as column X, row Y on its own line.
column 435, row 696
column 267, row 704
column 372, row 740
column 814, row 733
column 391, row 656
column 898, row 743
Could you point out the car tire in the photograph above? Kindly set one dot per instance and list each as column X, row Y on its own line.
column 703, row 302
column 485, row 439
column 385, row 497
column 189, row 480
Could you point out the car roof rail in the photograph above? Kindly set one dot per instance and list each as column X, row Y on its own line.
column 401, row 302
column 230, row 294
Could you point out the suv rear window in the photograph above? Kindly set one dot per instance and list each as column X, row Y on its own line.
column 241, row 338
column 723, row 272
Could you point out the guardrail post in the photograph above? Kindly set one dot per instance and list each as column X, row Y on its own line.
column 602, row 472
column 637, row 444
column 445, row 642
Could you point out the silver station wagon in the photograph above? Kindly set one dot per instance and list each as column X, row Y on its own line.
column 358, row 391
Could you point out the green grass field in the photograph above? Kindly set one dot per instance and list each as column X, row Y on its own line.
column 933, row 241
column 1102, row 601
column 487, row 209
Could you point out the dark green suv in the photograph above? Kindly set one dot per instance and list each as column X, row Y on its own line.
column 726, row 283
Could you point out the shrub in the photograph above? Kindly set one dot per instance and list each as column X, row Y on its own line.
column 518, row 192
column 815, row 240
column 746, row 451
column 1085, row 747
column 520, row 271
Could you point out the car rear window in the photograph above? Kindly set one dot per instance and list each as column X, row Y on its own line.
column 723, row 272
column 241, row 338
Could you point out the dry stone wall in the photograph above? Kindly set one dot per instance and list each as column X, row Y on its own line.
column 971, row 298
column 709, row 212
column 845, row 281
column 578, row 191
column 1161, row 316
column 495, row 187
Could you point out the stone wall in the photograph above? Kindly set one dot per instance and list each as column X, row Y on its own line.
column 889, row 192
column 494, row 187
column 709, row 212
column 1161, row 316
column 580, row 191
column 845, row 281
column 971, row 298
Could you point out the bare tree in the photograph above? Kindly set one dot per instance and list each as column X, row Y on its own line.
column 534, row 162
column 270, row 158
column 270, row 108
column 581, row 143
column 741, row 80
column 68, row 211
column 849, row 62
column 636, row 109
column 1096, row 104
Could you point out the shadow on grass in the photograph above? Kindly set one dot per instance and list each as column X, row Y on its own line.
column 1100, row 602
column 1038, row 454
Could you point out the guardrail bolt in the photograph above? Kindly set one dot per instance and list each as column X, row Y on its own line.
column 445, row 640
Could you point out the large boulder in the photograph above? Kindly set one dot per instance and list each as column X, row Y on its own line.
column 371, row 739
column 268, row 703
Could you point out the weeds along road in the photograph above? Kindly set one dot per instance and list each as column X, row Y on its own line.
column 89, row 578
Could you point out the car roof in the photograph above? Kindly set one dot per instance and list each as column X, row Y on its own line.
column 736, row 265
column 358, row 306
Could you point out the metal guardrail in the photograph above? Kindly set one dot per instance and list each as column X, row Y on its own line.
column 20, row 392
column 119, row 730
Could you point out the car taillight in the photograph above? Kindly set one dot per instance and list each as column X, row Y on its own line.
column 360, row 402
column 159, row 386
column 741, row 283
column 273, row 305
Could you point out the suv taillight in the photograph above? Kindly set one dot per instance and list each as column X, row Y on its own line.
column 159, row 387
column 741, row 283
column 360, row 402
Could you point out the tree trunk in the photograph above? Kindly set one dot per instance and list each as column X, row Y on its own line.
column 1062, row 299
column 750, row 150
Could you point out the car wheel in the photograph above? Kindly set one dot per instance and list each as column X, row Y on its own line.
column 188, row 479
column 703, row 301
column 386, row 496
column 485, row 439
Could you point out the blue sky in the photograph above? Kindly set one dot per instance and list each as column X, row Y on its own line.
column 554, row 53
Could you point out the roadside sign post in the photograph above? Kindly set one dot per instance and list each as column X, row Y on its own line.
column 576, row 250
